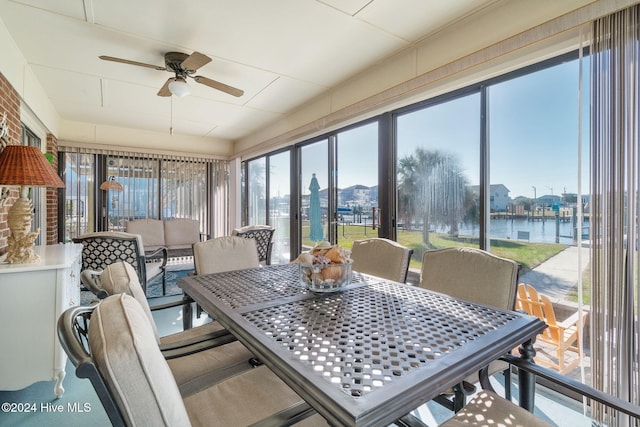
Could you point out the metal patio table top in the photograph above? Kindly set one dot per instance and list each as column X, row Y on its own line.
column 366, row 355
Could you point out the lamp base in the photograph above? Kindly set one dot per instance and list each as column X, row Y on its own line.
column 22, row 240
column 21, row 250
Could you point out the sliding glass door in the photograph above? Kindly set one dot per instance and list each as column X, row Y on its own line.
column 438, row 175
column 313, row 218
column 268, row 200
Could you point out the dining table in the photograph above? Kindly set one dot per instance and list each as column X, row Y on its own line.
column 369, row 353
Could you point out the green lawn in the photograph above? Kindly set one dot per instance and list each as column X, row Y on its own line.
column 527, row 254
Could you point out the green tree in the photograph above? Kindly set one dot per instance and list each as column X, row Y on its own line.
column 432, row 187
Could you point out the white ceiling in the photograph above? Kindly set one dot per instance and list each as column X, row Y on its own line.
column 282, row 53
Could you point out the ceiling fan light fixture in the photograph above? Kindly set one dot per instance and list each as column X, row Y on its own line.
column 179, row 87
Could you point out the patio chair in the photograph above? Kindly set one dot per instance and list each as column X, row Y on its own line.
column 381, row 257
column 204, row 346
column 564, row 336
column 263, row 235
column 224, row 254
column 107, row 247
column 489, row 409
column 115, row 348
column 473, row 275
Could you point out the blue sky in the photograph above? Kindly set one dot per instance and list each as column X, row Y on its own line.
column 533, row 137
column 533, row 132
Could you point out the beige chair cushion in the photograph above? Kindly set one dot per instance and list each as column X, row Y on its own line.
column 471, row 274
column 380, row 257
column 141, row 383
column 243, row 400
column 225, row 254
column 121, row 277
column 126, row 353
column 181, row 233
column 489, row 409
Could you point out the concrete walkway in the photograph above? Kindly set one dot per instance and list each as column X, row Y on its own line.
column 558, row 276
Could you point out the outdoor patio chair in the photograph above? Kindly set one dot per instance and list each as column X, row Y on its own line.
column 477, row 276
column 107, row 247
column 381, row 257
column 263, row 235
column 489, row 409
column 115, row 348
column 564, row 336
column 190, row 353
column 225, row 253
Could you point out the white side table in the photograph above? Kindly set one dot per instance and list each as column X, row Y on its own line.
column 32, row 298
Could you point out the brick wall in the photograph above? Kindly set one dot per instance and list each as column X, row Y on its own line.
column 10, row 103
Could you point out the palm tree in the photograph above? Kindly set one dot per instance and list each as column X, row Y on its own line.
column 432, row 186
column 407, row 187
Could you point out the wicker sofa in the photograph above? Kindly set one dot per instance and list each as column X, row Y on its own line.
column 177, row 235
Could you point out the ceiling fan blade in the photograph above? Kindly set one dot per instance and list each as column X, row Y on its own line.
column 220, row 86
column 126, row 61
column 195, row 61
column 164, row 90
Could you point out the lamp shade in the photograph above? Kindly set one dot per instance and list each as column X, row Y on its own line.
column 111, row 184
column 26, row 166
column 179, row 87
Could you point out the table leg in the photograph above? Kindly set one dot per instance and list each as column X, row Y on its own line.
column 527, row 380
column 187, row 314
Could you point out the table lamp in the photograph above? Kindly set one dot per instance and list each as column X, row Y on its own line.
column 27, row 167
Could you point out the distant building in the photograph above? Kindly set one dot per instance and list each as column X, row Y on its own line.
column 499, row 196
column 548, row 200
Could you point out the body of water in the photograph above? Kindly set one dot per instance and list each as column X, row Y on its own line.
column 538, row 231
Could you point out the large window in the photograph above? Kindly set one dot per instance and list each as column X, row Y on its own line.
column 494, row 166
column 534, row 156
column 152, row 187
column 80, row 196
column 314, row 193
column 268, row 200
column 340, row 172
column 438, row 175
column 280, row 206
column 357, row 184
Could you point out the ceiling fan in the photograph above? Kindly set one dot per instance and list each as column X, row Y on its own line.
column 183, row 66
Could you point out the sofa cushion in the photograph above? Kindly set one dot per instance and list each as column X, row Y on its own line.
column 151, row 230
column 181, row 233
column 127, row 356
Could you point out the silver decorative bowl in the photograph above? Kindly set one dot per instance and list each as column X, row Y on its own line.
column 325, row 277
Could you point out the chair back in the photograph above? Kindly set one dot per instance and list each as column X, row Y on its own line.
column 73, row 333
column 262, row 234
column 471, row 274
column 225, row 254
column 107, row 247
column 121, row 278
column 125, row 351
column 564, row 335
column 381, row 257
